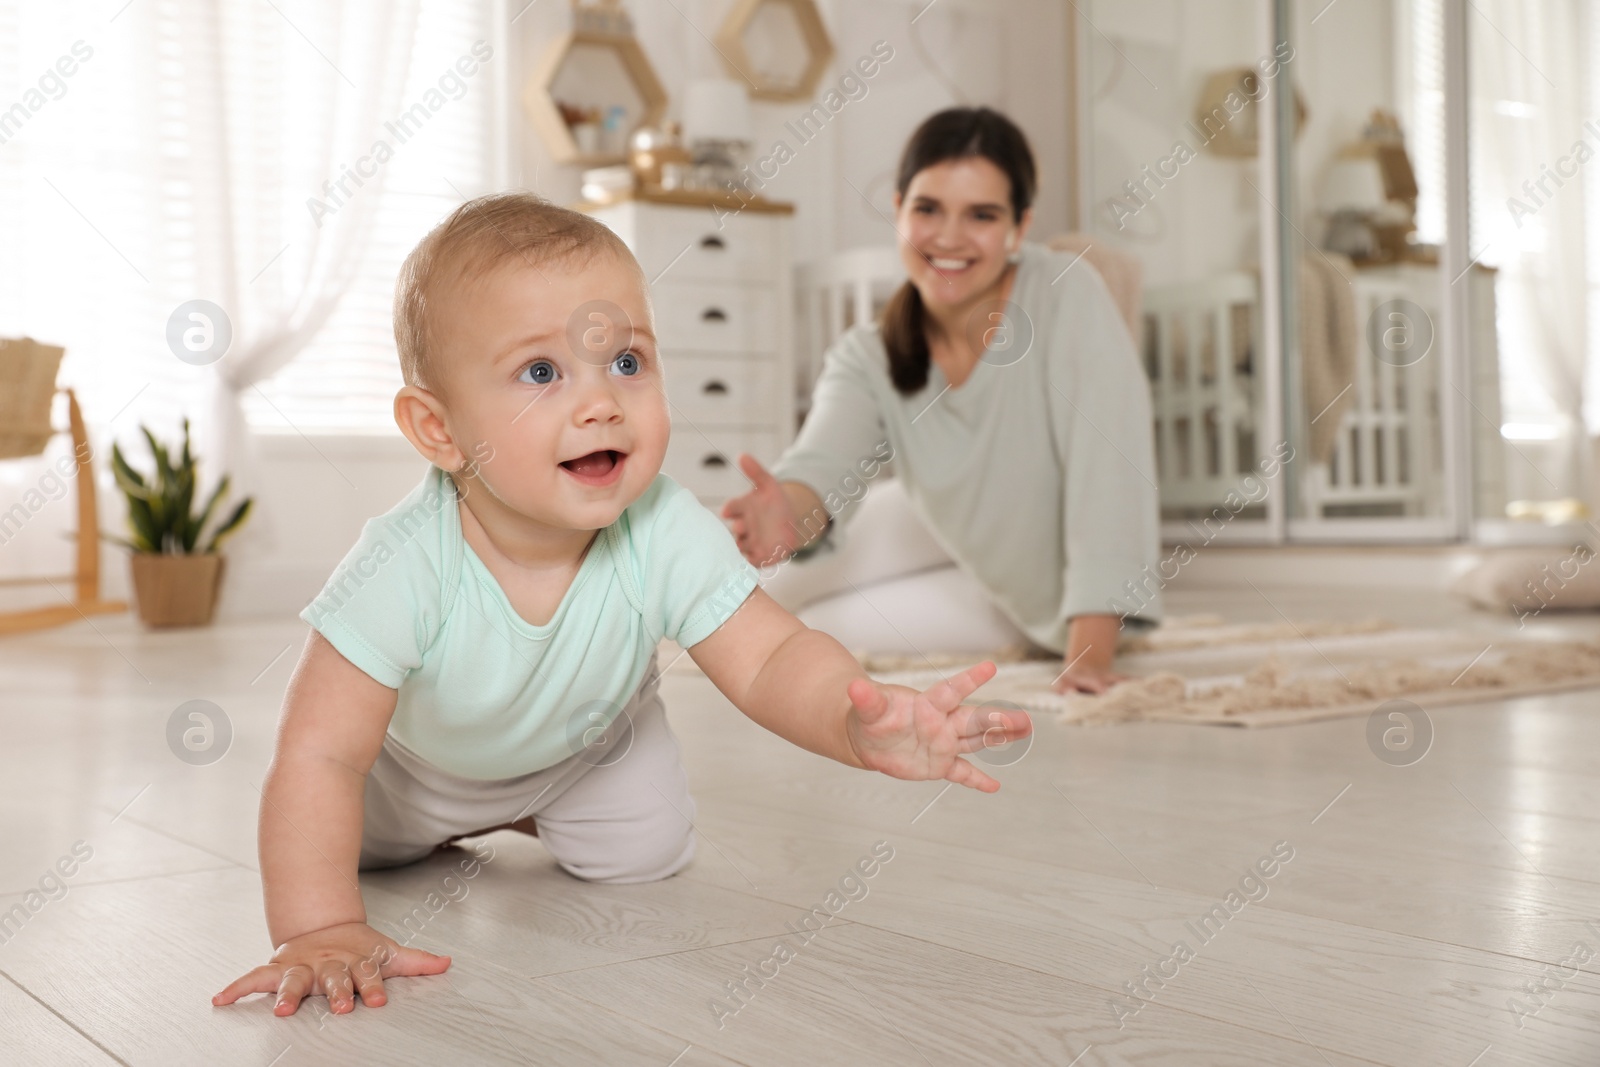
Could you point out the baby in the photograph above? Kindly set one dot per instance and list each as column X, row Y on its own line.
column 485, row 656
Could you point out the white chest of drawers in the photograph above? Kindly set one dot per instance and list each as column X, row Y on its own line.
column 720, row 284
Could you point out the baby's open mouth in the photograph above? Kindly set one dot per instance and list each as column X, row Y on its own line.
column 595, row 465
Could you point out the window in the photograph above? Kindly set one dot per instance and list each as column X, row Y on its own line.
column 103, row 195
column 346, row 378
column 1530, row 89
column 1419, row 48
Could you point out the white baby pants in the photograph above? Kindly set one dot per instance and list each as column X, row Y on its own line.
column 618, row 811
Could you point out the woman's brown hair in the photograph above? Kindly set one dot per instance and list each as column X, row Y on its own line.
column 956, row 133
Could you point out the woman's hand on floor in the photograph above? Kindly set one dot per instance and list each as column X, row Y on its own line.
column 762, row 521
column 921, row 736
column 1087, row 678
column 338, row 962
column 1091, row 648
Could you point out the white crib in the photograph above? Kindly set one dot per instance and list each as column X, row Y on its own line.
column 834, row 294
column 1389, row 439
column 1199, row 353
column 1208, row 425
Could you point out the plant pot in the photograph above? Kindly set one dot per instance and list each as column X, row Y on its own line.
column 175, row 590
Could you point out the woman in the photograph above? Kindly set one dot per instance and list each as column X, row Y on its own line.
column 1003, row 386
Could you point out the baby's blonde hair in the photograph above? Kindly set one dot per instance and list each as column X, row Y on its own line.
column 477, row 237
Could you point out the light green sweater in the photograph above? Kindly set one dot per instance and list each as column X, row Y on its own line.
column 1037, row 474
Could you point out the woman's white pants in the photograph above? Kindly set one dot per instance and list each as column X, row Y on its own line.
column 888, row 586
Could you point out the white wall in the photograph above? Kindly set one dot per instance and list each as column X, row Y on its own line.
column 1008, row 54
column 1346, row 67
column 313, row 499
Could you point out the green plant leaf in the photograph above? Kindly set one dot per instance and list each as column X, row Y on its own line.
column 128, row 480
column 160, row 485
column 186, row 526
column 160, row 524
column 145, row 532
column 123, row 541
column 161, row 506
column 157, row 449
column 185, row 529
column 205, row 513
column 232, row 524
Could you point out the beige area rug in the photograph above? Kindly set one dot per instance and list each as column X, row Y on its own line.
column 1202, row 670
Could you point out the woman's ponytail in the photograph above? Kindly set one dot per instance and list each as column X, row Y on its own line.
column 905, row 338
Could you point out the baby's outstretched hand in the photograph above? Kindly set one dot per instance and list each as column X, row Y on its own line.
column 920, row 736
column 340, row 962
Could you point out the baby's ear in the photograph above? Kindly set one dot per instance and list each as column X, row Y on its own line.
column 421, row 417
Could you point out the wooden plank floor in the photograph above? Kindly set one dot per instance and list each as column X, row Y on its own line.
column 1419, row 901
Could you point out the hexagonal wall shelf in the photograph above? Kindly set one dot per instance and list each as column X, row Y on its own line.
column 601, row 38
column 801, row 20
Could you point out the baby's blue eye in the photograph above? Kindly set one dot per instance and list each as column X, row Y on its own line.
column 543, row 372
column 627, row 364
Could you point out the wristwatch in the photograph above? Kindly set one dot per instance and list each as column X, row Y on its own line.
column 816, row 544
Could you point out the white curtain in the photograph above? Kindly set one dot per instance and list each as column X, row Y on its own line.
column 1528, row 69
column 157, row 153
column 294, row 181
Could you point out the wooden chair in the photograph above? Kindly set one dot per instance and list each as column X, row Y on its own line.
column 27, row 390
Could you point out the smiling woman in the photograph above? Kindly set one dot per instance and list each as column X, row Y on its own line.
column 1018, row 417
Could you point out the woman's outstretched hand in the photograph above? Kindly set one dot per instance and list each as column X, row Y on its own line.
column 763, row 520
column 921, row 736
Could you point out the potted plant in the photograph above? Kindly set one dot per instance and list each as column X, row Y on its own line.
column 176, row 569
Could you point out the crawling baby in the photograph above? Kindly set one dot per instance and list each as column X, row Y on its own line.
column 485, row 655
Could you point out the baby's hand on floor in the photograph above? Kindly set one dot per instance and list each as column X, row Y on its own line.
column 339, row 962
column 920, row 736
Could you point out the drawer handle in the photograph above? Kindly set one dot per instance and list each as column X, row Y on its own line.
column 713, row 315
column 713, row 243
column 713, row 460
column 714, row 388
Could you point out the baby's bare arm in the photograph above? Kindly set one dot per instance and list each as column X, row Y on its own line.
column 331, row 731
column 785, row 676
column 807, row 688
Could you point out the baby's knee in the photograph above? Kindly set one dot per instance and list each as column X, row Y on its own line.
column 626, row 854
column 380, row 855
